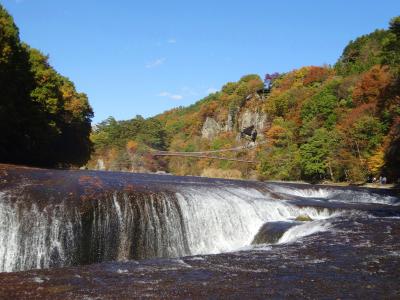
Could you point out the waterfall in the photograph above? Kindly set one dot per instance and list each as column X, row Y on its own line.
column 135, row 225
column 335, row 194
column 226, row 219
column 33, row 237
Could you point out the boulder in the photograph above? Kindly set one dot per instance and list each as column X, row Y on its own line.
column 303, row 218
column 271, row 232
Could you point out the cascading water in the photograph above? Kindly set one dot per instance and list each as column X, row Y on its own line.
column 335, row 194
column 263, row 235
column 122, row 226
column 125, row 227
column 52, row 219
column 226, row 219
column 31, row 237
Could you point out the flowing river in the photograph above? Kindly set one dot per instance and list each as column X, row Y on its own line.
column 86, row 234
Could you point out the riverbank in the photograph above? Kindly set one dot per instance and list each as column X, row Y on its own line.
column 344, row 184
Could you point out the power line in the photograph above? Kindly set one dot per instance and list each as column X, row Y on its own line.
column 203, row 154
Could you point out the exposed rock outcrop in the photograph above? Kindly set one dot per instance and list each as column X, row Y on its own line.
column 255, row 118
column 210, row 129
column 230, row 122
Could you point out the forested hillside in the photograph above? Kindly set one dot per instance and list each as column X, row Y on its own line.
column 336, row 123
column 125, row 145
column 44, row 121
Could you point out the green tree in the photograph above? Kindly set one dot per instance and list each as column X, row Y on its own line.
column 281, row 158
column 315, row 154
column 363, row 53
column 391, row 49
column 322, row 107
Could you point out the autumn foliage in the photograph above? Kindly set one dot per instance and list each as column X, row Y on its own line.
column 44, row 121
column 373, row 85
column 334, row 123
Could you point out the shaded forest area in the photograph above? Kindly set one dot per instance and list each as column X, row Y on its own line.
column 44, row 121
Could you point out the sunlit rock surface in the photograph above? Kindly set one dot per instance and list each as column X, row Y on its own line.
column 122, row 235
column 255, row 118
column 210, row 128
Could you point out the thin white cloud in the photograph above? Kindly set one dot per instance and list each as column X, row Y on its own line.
column 170, row 95
column 171, row 41
column 187, row 91
column 176, row 97
column 211, row 90
column 155, row 63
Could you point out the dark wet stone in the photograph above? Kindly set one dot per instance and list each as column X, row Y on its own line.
column 271, row 232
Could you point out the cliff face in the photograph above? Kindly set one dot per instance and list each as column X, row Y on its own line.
column 235, row 123
column 237, row 119
column 210, row 129
column 215, row 123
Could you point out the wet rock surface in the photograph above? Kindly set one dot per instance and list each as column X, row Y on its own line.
column 363, row 262
column 271, row 232
column 357, row 255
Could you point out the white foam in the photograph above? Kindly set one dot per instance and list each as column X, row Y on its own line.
column 38, row 280
column 296, row 232
column 227, row 219
column 122, row 271
column 305, row 193
column 196, row 258
column 337, row 195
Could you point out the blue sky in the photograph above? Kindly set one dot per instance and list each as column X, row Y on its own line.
column 144, row 57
